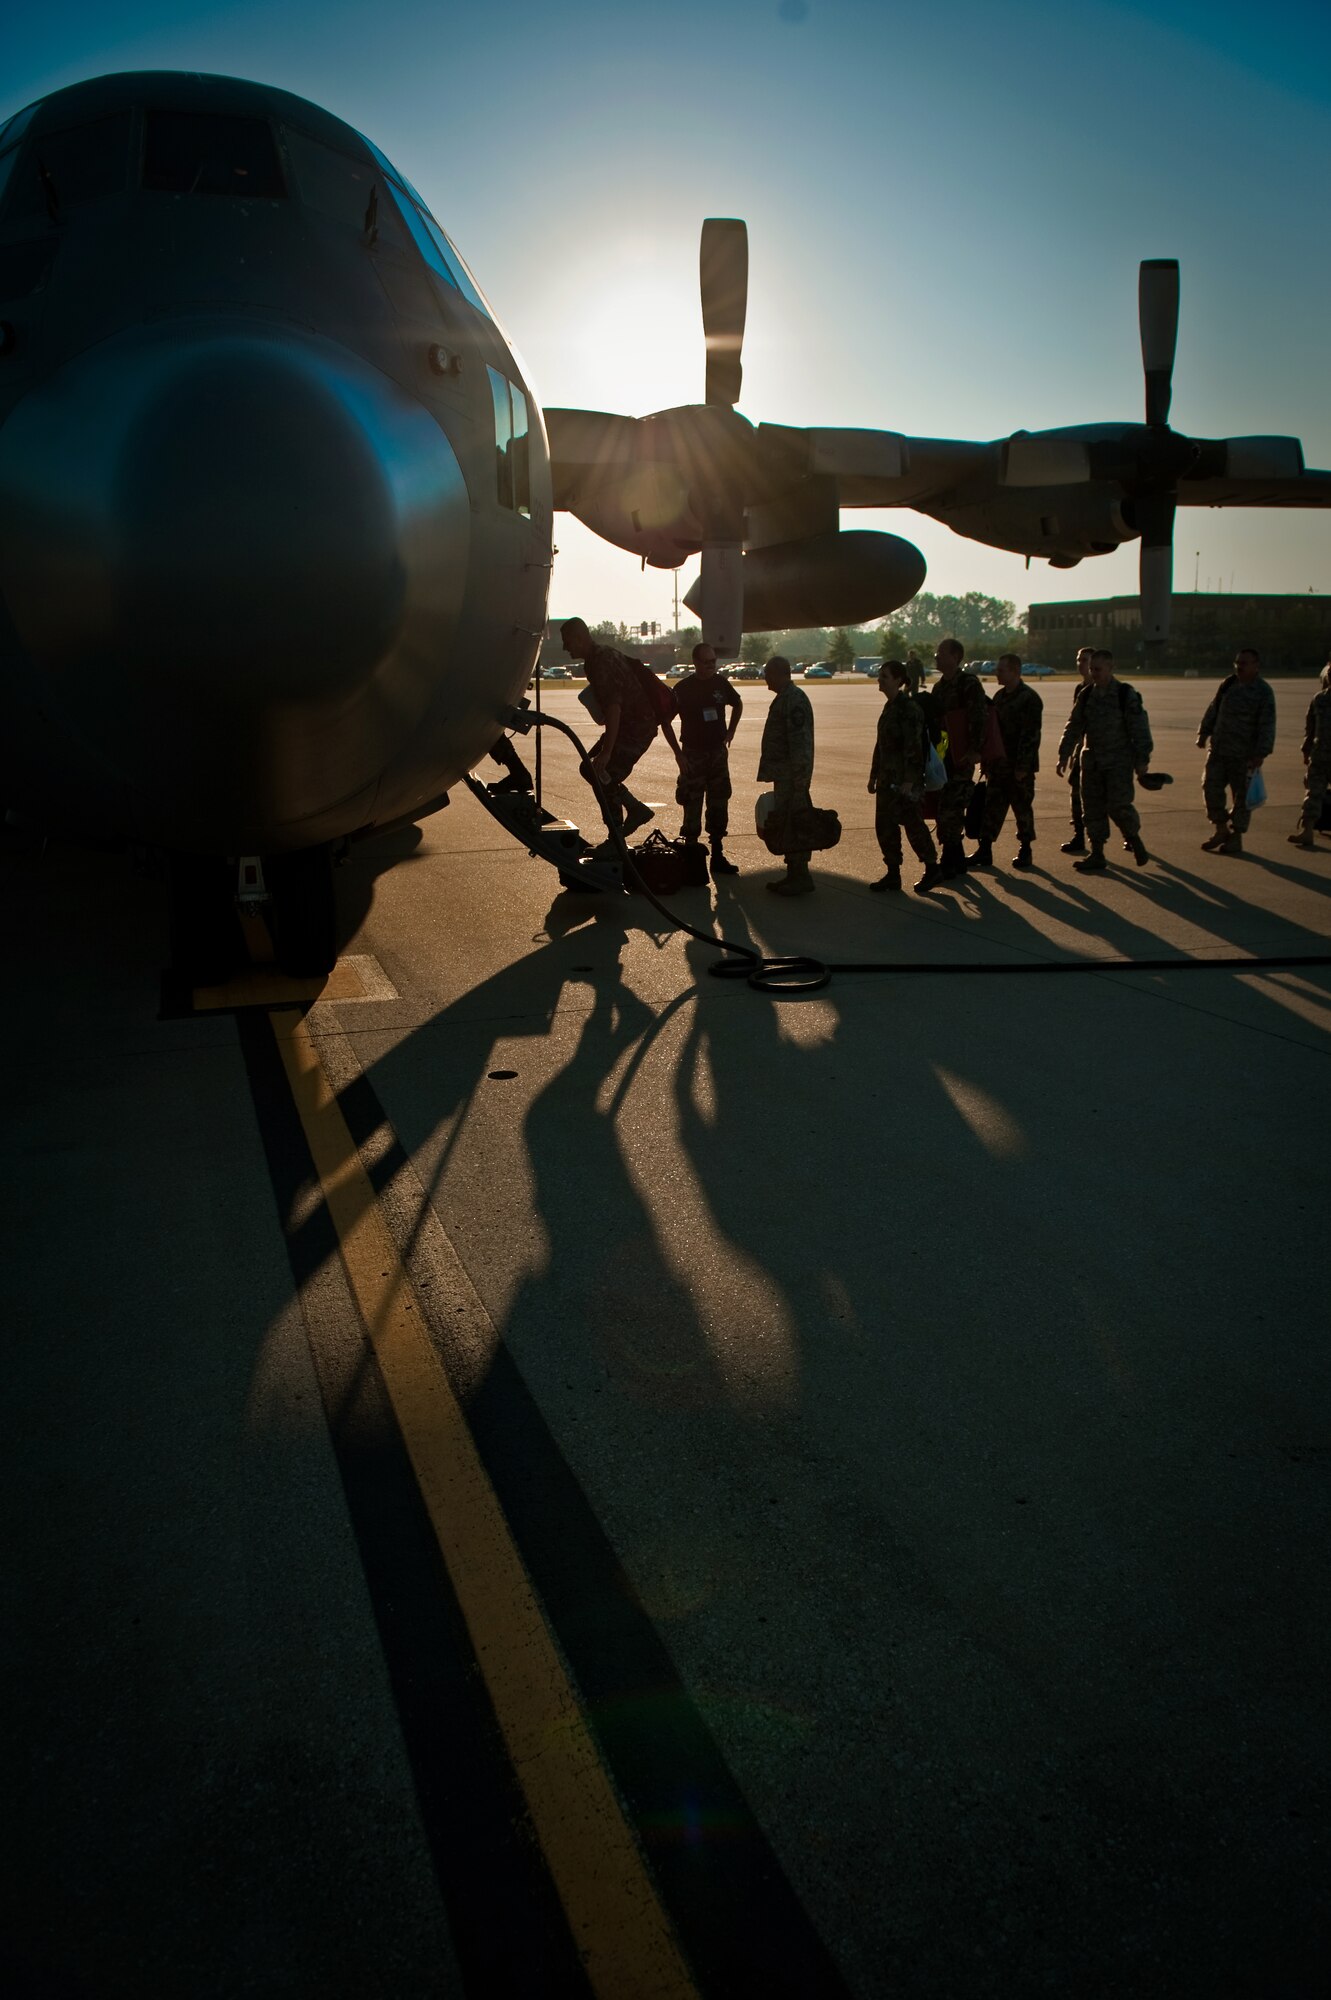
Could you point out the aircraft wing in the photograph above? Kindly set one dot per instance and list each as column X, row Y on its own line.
column 1308, row 489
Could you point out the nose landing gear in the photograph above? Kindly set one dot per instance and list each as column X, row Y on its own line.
column 292, row 892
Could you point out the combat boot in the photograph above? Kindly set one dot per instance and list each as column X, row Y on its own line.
column 796, row 882
column 983, row 856
column 1138, row 847
column 720, row 865
column 1303, row 837
column 1234, row 844
column 890, row 881
column 1217, row 841
column 1074, row 846
column 636, row 814
column 930, row 879
column 1095, row 863
column 953, row 862
column 1024, row 857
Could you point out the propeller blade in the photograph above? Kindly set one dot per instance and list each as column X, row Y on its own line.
column 723, row 276
column 1157, row 317
column 1157, row 566
column 720, row 597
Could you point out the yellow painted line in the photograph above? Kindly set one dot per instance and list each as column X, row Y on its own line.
column 623, row 1934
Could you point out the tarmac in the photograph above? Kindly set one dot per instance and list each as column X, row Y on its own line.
column 535, row 1469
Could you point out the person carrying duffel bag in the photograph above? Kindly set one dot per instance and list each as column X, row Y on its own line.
column 794, row 826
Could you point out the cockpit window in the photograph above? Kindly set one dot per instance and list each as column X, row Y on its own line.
column 60, row 170
column 13, row 128
column 436, row 249
column 350, row 191
column 511, row 446
column 195, row 152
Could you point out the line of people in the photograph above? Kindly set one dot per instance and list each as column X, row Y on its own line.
column 930, row 743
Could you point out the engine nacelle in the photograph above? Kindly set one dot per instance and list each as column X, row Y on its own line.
column 1066, row 522
column 840, row 579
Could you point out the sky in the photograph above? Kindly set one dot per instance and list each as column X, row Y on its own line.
column 946, row 205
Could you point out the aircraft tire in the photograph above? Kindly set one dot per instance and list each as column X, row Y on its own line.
column 304, row 910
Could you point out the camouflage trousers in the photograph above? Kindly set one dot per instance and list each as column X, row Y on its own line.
column 704, row 778
column 1074, row 784
column 1106, row 793
column 1316, row 786
column 1221, row 775
column 627, row 751
column 1007, row 789
column 790, row 791
column 893, row 810
column 952, row 803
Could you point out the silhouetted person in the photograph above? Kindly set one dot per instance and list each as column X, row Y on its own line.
column 1110, row 727
column 786, row 762
column 896, row 778
column 1316, row 761
column 1077, row 844
column 628, row 725
column 1020, row 715
column 1240, row 727
column 701, row 702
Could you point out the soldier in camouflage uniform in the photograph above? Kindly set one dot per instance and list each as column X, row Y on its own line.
column 1077, row 844
column 957, row 704
column 1109, row 725
column 701, row 703
column 786, row 762
column 1240, row 727
column 896, row 777
column 1020, row 714
column 1317, row 761
column 628, row 727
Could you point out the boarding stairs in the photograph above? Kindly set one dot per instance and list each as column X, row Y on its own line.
column 557, row 841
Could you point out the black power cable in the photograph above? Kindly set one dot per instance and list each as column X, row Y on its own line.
column 800, row 974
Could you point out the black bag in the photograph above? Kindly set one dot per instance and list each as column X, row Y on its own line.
column 801, row 830
column 669, row 865
column 975, row 806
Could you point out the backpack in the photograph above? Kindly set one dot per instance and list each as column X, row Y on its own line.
column 660, row 698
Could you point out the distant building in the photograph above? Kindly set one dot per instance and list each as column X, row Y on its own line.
column 1292, row 634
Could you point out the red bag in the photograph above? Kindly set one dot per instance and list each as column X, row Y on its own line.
column 993, row 750
column 660, row 698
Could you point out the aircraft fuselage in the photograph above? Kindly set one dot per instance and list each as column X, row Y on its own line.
column 275, row 507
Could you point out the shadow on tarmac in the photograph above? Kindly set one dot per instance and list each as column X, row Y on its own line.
column 872, row 1259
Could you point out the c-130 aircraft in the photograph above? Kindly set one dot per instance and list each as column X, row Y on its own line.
column 276, row 498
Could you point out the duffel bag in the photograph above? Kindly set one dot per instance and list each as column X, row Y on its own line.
column 668, row 865
column 801, row 830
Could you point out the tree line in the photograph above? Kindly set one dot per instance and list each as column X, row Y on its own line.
column 985, row 626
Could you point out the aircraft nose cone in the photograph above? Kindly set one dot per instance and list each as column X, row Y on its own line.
column 238, row 554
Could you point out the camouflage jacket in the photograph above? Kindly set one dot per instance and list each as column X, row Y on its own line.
column 1020, row 714
column 945, row 698
column 898, row 756
column 787, row 750
column 1317, row 728
column 1110, row 724
column 612, row 679
column 1241, row 719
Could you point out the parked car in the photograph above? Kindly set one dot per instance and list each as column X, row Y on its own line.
column 981, row 667
column 1035, row 671
column 745, row 670
column 556, row 673
column 867, row 664
column 821, row 670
